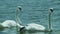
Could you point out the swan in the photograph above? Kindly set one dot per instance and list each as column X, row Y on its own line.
column 33, row 28
column 9, row 24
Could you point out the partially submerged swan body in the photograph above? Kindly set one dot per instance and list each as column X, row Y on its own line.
column 33, row 28
column 10, row 24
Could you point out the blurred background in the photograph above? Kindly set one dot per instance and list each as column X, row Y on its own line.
column 33, row 11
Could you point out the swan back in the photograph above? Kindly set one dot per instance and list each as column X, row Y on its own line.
column 34, row 26
column 11, row 23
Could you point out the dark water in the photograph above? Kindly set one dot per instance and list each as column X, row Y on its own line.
column 32, row 11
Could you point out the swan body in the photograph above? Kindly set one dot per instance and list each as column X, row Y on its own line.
column 33, row 28
column 9, row 24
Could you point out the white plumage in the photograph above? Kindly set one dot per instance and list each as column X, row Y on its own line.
column 10, row 23
column 33, row 28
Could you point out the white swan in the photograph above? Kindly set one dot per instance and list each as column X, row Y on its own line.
column 9, row 24
column 33, row 28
